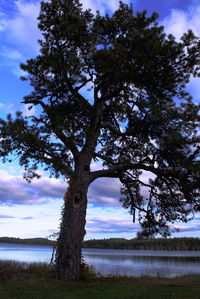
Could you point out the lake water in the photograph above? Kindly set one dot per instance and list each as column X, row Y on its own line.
column 116, row 262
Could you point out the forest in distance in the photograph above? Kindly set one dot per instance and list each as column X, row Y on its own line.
column 120, row 243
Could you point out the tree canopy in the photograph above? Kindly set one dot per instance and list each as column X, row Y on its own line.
column 112, row 89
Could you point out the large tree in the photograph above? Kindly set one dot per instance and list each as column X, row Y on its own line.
column 110, row 89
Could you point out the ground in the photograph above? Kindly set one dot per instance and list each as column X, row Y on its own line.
column 112, row 288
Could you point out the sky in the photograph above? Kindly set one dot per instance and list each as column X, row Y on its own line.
column 33, row 210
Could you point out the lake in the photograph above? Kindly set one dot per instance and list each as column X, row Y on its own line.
column 116, row 262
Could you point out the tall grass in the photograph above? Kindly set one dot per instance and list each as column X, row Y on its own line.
column 12, row 270
column 15, row 270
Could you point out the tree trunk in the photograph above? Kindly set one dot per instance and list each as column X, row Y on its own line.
column 72, row 230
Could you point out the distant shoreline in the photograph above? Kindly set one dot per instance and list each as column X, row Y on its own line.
column 190, row 244
column 30, row 241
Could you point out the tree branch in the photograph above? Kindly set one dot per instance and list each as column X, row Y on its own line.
column 75, row 93
column 35, row 102
column 115, row 170
column 66, row 140
column 83, row 84
column 104, row 158
column 111, row 128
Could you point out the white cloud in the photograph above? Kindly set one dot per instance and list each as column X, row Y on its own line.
column 19, row 31
column 30, row 220
column 194, row 89
column 3, row 24
column 23, row 28
column 103, row 6
column 111, row 225
column 28, row 9
column 19, row 35
column 11, row 53
column 179, row 21
column 39, row 191
column 105, row 191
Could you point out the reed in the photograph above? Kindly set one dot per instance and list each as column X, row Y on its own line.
column 12, row 270
column 16, row 270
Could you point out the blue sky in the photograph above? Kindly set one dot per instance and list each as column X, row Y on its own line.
column 33, row 210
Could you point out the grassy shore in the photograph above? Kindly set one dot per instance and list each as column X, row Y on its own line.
column 145, row 287
column 34, row 281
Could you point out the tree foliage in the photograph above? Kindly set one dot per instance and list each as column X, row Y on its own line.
column 112, row 89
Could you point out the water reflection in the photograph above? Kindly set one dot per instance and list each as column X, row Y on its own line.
column 25, row 253
column 147, row 263
column 144, row 265
column 116, row 262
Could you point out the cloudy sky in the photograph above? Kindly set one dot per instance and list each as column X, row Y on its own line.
column 33, row 210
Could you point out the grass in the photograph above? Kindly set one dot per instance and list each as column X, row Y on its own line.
column 35, row 281
column 14, row 270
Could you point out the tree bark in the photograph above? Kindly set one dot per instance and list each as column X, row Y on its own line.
column 72, row 230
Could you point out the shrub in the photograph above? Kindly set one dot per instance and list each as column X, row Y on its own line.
column 87, row 272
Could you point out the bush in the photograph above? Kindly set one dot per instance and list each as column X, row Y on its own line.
column 87, row 272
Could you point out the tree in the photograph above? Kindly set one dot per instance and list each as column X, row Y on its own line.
column 110, row 89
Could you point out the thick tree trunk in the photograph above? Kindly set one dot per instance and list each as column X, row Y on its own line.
column 72, row 230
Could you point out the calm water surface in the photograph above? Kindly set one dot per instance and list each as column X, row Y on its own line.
column 116, row 262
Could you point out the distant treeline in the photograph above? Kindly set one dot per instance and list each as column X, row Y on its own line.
column 118, row 243
column 31, row 241
column 150, row 244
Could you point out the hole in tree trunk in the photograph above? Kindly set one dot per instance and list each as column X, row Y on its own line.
column 77, row 199
column 87, row 168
